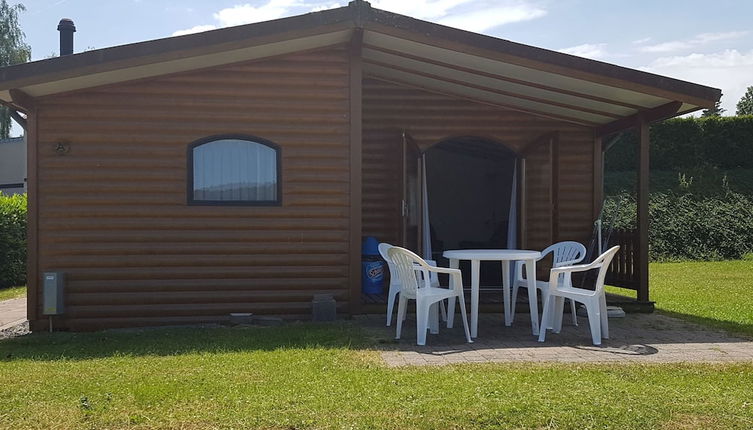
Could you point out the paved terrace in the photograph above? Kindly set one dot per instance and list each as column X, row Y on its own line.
column 637, row 338
column 12, row 312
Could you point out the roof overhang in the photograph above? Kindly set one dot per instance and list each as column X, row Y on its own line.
column 394, row 48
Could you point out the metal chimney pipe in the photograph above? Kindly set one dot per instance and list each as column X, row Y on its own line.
column 66, row 29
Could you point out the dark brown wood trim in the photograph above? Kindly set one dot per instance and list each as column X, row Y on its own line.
column 504, row 78
column 253, row 139
column 598, row 176
column 522, row 212
column 32, row 218
column 471, row 99
column 554, row 152
column 24, row 101
column 490, row 90
column 664, row 111
column 643, row 196
column 356, row 176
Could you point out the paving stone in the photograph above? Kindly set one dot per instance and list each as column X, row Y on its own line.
column 637, row 338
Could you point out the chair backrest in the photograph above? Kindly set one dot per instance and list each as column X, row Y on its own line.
column 406, row 265
column 602, row 263
column 565, row 253
column 384, row 248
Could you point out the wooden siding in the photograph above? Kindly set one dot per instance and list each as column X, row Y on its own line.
column 430, row 118
column 113, row 213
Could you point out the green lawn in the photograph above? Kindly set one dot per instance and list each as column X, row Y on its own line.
column 719, row 294
column 329, row 376
column 12, row 293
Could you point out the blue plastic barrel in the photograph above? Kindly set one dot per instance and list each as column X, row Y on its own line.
column 372, row 279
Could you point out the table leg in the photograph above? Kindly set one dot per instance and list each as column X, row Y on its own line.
column 506, row 292
column 532, row 296
column 454, row 264
column 475, row 275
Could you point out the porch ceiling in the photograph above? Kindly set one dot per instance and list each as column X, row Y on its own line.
column 503, row 83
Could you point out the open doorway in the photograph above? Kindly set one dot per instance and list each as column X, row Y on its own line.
column 470, row 183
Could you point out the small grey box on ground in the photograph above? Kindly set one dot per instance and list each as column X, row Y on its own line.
column 323, row 308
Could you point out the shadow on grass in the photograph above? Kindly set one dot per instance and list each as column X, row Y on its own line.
column 731, row 327
column 177, row 341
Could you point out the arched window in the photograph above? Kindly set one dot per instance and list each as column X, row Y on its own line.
column 234, row 170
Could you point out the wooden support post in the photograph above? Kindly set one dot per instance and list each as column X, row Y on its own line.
column 356, row 95
column 33, row 277
column 643, row 190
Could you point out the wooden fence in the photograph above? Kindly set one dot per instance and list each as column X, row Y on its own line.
column 623, row 272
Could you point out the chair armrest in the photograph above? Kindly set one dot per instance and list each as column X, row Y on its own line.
column 446, row 270
column 574, row 268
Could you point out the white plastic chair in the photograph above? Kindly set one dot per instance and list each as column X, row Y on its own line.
column 595, row 301
column 428, row 298
column 563, row 254
column 394, row 287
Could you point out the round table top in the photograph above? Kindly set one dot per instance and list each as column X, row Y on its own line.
column 491, row 254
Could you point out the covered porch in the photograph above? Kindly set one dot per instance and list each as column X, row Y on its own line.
column 542, row 118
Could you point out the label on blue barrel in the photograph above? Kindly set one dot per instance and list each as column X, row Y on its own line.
column 373, row 277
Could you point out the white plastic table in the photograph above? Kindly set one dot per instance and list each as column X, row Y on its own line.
column 506, row 257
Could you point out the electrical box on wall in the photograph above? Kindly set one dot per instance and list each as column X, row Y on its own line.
column 52, row 293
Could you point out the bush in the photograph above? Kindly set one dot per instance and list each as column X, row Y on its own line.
column 682, row 144
column 12, row 240
column 690, row 227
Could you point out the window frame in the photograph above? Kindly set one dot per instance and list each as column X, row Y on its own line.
column 244, row 137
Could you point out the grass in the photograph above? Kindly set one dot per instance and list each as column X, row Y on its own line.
column 718, row 294
column 330, row 376
column 322, row 376
column 12, row 293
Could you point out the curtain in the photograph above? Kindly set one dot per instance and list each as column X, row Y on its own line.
column 512, row 221
column 234, row 170
column 427, row 229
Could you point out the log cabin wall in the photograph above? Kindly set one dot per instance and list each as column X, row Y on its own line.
column 113, row 214
column 430, row 118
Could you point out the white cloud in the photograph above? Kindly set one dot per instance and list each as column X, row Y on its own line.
column 729, row 70
column 195, row 29
column 246, row 13
column 320, row 8
column 587, row 50
column 422, row 9
column 487, row 18
column 641, row 41
column 472, row 15
column 698, row 40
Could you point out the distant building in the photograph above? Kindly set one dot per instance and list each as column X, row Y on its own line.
column 13, row 165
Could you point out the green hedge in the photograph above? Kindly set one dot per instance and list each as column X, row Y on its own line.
column 682, row 144
column 12, row 240
column 690, row 227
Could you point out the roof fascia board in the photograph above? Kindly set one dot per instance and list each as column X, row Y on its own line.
column 175, row 48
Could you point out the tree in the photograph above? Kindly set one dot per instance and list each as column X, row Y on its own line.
column 13, row 50
column 745, row 105
column 717, row 110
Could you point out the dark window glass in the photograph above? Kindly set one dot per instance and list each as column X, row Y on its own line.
column 235, row 170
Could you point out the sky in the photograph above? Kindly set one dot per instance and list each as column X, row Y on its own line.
column 705, row 42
